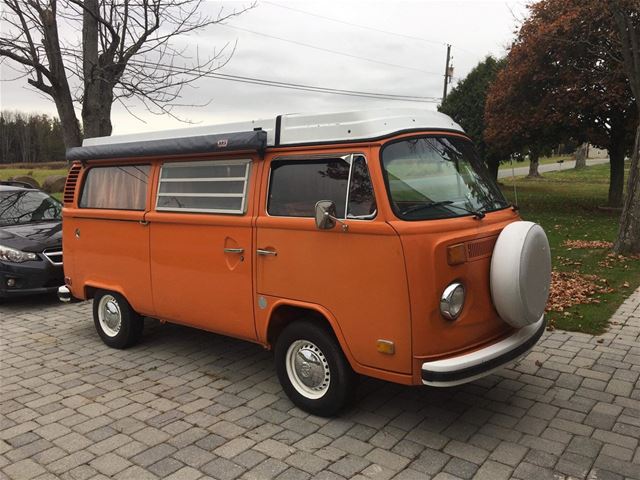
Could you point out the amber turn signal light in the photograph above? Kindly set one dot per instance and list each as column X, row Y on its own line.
column 456, row 254
column 386, row 346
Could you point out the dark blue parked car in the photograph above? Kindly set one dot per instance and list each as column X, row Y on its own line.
column 30, row 241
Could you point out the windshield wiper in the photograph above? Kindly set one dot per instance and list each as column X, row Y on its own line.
column 425, row 206
column 478, row 215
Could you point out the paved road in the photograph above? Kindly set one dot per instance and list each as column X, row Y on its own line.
column 187, row 405
column 548, row 167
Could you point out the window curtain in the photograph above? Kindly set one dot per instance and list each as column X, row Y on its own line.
column 118, row 188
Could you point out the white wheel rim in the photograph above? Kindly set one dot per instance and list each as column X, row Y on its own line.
column 109, row 315
column 308, row 369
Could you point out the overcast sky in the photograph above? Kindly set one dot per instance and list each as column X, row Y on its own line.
column 390, row 63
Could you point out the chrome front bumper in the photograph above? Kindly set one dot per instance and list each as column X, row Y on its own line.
column 471, row 366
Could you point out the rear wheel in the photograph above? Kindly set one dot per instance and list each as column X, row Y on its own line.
column 312, row 369
column 118, row 325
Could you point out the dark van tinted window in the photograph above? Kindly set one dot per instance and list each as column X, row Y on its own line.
column 362, row 202
column 296, row 186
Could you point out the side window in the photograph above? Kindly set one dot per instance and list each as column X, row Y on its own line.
column 117, row 188
column 218, row 186
column 362, row 201
column 296, row 186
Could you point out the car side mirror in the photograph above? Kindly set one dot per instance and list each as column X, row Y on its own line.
column 325, row 215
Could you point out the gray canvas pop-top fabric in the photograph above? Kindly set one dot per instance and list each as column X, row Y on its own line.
column 226, row 142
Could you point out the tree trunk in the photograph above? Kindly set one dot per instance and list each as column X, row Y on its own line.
column 96, row 109
column 61, row 92
column 98, row 92
column 616, row 177
column 581, row 156
column 71, row 133
column 492, row 166
column 534, row 162
column 628, row 240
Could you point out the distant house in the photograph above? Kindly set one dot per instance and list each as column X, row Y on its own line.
column 594, row 152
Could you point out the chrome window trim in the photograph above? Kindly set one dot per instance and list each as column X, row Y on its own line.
column 204, row 179
column 324, row 156
column 205, row 195
column 246, row 162
column 197, row 163
column 346, row 200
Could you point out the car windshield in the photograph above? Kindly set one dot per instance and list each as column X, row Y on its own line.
column 27, row 206
column 434, row 177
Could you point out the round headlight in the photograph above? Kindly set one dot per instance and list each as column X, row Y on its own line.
column 452, row 301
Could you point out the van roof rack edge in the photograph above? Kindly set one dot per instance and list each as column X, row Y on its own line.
column 280, row 131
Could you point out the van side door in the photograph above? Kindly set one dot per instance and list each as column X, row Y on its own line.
column 356, row 273
column 201, row 244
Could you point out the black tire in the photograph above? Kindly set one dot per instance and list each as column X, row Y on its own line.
column 131, row 324
column 342, row 379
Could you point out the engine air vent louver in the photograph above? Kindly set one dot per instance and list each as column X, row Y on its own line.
column 70, row 184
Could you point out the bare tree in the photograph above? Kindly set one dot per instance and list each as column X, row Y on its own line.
column 627, row 18
column 127, row 50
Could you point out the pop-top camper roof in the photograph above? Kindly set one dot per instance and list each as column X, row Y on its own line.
column 256, row 135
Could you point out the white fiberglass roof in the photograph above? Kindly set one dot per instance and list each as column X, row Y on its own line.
column 305, row 128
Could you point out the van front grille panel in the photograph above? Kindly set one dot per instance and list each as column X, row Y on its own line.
column 481, row 248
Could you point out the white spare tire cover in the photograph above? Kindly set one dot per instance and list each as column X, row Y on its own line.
column 521, row 273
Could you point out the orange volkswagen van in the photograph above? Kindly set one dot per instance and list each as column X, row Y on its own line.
column 359, row 243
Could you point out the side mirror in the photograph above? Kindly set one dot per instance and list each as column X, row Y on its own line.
column 325, row 215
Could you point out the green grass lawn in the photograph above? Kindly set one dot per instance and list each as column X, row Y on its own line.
column 566, row 204
column 38, row 173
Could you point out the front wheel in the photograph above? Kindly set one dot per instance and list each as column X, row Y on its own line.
column 313, row 370
column 118, row 325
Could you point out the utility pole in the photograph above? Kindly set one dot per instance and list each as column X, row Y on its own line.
column 446, row 73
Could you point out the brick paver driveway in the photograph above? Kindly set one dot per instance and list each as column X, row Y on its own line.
column 186, row 404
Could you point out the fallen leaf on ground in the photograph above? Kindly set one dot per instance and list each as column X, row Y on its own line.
column 571, row 288
column 587, row 244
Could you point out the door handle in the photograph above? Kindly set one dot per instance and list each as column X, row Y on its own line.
column 262, row 251
column 234, row 250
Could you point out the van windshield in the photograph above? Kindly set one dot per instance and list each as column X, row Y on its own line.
column 434, row 177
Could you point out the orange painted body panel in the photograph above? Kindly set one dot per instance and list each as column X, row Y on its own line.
column 263, row 317
column 366, row 291
column 381, row 279
column 112, row 252
column 195, row 282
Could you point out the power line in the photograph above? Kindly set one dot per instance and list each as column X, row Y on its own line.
column 435, row 42
column 289, row 85
column 373, row 29
column 273, row 83
column 336, row 52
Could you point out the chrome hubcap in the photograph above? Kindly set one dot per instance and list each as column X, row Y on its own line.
column 308, row 369
column 109, row 315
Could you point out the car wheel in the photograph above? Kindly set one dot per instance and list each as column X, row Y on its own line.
column 118, row 325
column 313, row 370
